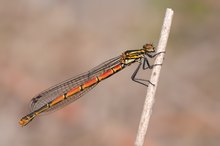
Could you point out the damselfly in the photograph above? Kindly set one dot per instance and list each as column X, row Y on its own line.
column 70, row 90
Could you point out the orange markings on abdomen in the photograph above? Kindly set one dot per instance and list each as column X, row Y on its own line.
column 56, row 100
column 90, row 83
column 117, row 68
column 106, row 74
column 73, row 91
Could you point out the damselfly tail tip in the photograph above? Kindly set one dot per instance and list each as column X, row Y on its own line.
column 25, row 120
column 22, row 123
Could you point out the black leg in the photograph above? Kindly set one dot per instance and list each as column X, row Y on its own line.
column 152, row 56
column 140, row 81
column 147, row 65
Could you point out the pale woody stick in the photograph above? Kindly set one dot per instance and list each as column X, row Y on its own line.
column 146, row 113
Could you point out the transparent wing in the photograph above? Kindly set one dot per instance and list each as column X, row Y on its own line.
column 63, row 87
column 69, row 100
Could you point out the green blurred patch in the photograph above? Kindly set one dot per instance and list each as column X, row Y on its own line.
column 190, row 8
column 196, row 8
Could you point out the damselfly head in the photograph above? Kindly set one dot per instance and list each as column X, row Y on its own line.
column 149, row 48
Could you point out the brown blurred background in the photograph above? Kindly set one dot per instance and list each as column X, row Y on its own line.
column 43, row 42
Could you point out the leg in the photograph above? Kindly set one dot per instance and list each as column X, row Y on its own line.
column 140, row 81
column 147, row 65
column 152, row 56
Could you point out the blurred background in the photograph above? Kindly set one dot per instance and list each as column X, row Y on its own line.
column 43, row 42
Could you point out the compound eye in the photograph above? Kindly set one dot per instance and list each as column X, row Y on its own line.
column 149, row 47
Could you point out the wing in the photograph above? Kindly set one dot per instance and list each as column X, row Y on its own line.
column 63, row 87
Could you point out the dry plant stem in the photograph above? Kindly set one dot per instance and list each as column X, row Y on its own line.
column 146, row 113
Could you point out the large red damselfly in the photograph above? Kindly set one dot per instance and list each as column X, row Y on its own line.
column 70, row 90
